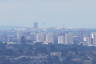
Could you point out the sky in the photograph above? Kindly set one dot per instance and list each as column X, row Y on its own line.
column 48, row 13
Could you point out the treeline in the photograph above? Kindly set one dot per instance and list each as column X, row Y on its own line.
column 47, row 54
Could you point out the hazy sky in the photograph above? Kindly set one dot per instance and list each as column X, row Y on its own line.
column 49, row 13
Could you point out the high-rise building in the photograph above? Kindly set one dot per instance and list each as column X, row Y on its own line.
column 93, row 38
column 40, row 37
column 68, row 38
column 49, row 37
column 61, row 39
column 33, row 36
column 87, row 40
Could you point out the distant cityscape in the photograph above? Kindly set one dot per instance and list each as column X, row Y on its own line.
column 35, row 45
column 46, row 36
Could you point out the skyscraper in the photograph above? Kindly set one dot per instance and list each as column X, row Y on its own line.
column 61, row 39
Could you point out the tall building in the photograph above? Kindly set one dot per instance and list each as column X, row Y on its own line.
column 93, row 38
column 68, row 38
column 49, row 37
column 61, row 39
column 40, row 37
column 87, row 40
column 33, row 36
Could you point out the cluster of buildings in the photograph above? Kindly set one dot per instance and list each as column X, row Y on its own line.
column 48, row 36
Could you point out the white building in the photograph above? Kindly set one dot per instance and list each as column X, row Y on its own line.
column 49, row 38
column 87, row 40
column 93, row 36
column 61, row 39
column 40, row 37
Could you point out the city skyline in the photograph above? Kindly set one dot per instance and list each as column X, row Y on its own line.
column 47, row 31
column 49, row 13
